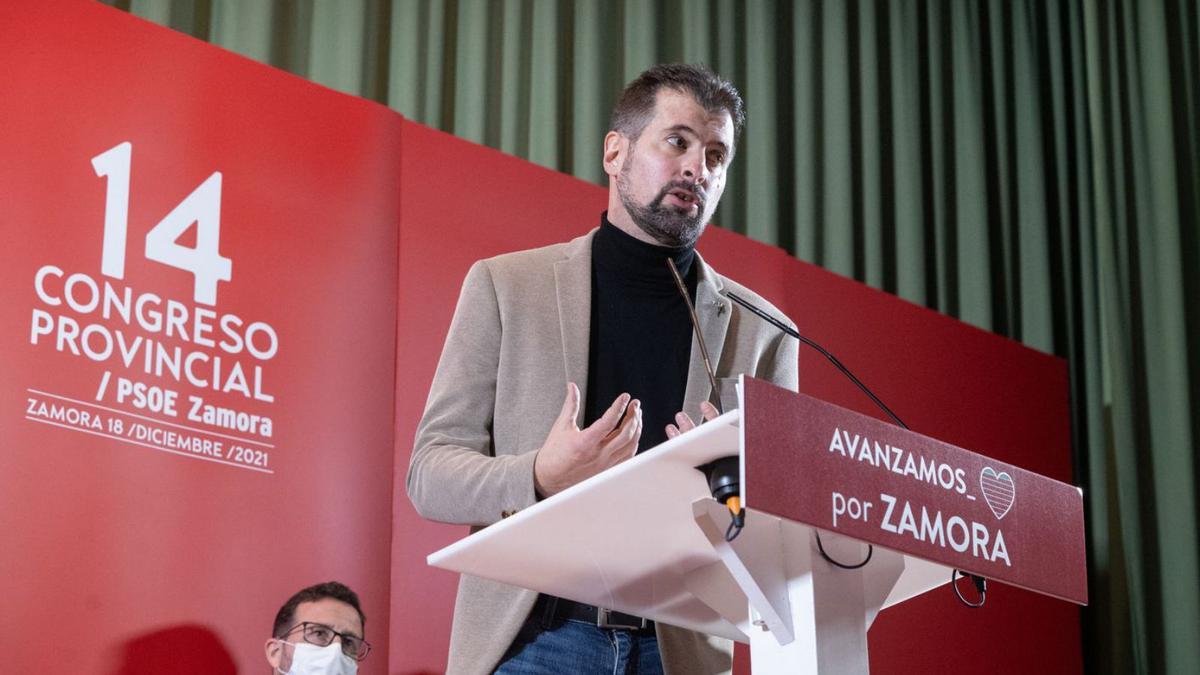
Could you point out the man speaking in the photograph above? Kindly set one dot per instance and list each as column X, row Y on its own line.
column 563, row 361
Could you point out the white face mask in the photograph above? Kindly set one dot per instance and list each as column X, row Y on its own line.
column 309, row 659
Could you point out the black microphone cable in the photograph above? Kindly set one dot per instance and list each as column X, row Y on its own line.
column 824, row 352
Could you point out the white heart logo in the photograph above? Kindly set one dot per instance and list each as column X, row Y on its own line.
column 999, row 491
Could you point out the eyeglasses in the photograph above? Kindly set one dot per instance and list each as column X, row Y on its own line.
column 322, row 636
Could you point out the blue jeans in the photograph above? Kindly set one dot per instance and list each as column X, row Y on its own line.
column 543, row 648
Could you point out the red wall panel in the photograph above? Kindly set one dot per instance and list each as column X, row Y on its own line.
column 124, row 558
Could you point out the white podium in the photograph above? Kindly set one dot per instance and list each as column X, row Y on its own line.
column 646, row 538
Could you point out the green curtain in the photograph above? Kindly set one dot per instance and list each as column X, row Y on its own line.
column 1030, row 167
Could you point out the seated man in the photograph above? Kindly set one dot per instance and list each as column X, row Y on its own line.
column 319, row 630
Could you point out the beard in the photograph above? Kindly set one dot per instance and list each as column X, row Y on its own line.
column 667, row 225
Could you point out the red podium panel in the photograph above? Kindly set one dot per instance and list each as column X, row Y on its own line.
column 911, row 493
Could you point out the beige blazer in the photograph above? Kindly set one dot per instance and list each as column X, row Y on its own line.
column 520, row 332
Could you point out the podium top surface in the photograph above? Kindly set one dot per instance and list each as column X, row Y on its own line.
column 626, row 539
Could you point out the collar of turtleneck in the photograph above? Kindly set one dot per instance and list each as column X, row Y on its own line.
column 623, row 258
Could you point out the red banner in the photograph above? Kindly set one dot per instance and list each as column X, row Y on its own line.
column 196, row 346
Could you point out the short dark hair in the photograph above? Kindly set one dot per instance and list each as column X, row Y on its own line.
column 330, row 589
column 636, row 105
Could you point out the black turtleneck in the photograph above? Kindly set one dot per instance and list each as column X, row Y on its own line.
column 641, row 336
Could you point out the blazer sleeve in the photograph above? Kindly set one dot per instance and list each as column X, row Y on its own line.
column 454, row 474
column 780, row 362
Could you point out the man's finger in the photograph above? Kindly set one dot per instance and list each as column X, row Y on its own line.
column 684, row 422
column 631, row 428
column 570, row 406
column 624, row 442
column 637, row 437
column 709, row 411
column 672, row 431
column 633, row 413
column 608, row 421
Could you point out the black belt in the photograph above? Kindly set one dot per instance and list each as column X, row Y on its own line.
column 556, row 610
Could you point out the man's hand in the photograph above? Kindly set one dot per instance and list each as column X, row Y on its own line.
column 684, row 423
column 571, row 454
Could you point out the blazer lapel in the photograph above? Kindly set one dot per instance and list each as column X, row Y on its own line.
column 573, row 288
column 712, row 310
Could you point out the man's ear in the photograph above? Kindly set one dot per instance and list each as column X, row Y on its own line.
column 615, row 147
column 274, row 651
